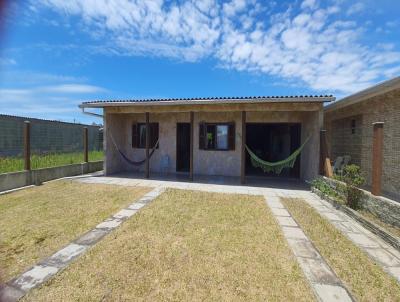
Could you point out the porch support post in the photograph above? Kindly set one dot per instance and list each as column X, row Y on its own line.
column 377, row 158
column 243, row 150
column 191, row 144
column 147, row 167
column 325, row 167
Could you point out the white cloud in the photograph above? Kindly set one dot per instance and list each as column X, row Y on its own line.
column 71, row 89
column 315, row 46
column 356, row 8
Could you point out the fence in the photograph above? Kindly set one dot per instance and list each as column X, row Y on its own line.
column 26, row 145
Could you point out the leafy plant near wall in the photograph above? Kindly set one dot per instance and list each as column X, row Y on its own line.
column 326, row 189
column 353, row 179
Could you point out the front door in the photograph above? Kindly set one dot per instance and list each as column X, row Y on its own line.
column 182, row 147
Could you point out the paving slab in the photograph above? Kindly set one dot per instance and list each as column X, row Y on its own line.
column 109, row 224
column 65, row 255
column 35, row 276
column 303, row 248
column 383, row 257
column 124, row 214
column 286, row 221
column 332, row 293
column 332, row 216
column 280, row 212
column 394, row 271
column 318, row 271
column 362, row 240
column 136, row 206
column 294, row 233
column 91, row 237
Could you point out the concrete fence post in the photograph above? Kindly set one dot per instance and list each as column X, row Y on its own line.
column 377, row 158
column 27, row 145
column 85, row 145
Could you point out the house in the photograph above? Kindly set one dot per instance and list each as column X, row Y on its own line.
column 207, row 136
column 349, row 124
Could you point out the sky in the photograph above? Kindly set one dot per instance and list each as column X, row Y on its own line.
column 54, row 54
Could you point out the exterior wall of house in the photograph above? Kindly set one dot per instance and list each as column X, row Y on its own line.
column 382, row 108
column 206, row 162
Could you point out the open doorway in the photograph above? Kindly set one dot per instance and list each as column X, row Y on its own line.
column 273, row 142
column 183, row 147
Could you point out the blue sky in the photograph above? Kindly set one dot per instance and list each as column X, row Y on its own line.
column 55, row 53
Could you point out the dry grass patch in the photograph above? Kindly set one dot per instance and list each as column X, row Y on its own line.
column 187, row 246
column 36, row 222
column 365, row 279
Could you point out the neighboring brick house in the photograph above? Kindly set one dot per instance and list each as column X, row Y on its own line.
column 349, row 131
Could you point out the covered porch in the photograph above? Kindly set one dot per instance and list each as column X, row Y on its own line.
column 196, row 139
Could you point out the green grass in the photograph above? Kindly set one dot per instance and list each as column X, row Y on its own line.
column 13, row 164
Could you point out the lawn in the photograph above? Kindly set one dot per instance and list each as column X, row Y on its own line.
column 187, row 246
column 13, row 164
column 365, row 279
column 38, row 221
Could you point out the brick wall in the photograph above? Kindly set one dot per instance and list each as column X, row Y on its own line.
column 382, row 108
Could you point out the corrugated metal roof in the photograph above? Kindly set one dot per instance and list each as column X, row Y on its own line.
column 291, row 98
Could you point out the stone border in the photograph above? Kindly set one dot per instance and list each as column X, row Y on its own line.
column 373, row 246
column 377, row 230
column 322, row 279
column 45, row 269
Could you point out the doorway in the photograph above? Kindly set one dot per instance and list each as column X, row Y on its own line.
column 273, row 142
column 182, row 147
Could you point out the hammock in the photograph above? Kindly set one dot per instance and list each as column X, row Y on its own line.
column 134, row 163
column 278, row 166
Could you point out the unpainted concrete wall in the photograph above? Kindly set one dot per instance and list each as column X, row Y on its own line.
column 206, row 162
column 9, row 181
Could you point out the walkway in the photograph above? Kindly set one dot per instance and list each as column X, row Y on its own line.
column 47, row 268
column 326, row 285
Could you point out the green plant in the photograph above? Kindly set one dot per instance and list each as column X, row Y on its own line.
column 325, row 188
column 353, row 178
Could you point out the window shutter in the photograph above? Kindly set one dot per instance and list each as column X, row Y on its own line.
column 202, row 136
column 135, row 136
column 231, row 136
column 153, row 134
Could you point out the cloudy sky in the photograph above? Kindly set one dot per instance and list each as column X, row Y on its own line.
column 55, row 53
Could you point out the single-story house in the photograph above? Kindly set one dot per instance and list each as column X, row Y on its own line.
column 207, row 136
column 349, row 124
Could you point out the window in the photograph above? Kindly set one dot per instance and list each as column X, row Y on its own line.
column 353, row 126
column 217, row 136
column 139, row 135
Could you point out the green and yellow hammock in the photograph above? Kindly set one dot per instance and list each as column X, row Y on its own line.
column 275, row 167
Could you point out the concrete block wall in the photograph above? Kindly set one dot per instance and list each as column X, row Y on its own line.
column 382, row 108
column 225, row 163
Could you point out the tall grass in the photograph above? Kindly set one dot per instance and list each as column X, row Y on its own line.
column 13, row 164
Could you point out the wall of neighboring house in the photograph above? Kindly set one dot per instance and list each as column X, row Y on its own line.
column 206, row 162
column 341, row 141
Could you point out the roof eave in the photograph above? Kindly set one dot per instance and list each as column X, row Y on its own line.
column 365, row 94
column 211, row 101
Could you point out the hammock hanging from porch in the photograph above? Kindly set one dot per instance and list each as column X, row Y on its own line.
column 127, row 159
column 278, row 166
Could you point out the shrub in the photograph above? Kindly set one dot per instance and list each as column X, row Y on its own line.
column 353, row 178
column 326, row 189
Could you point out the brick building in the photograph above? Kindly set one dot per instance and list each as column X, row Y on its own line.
column 349, row 131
